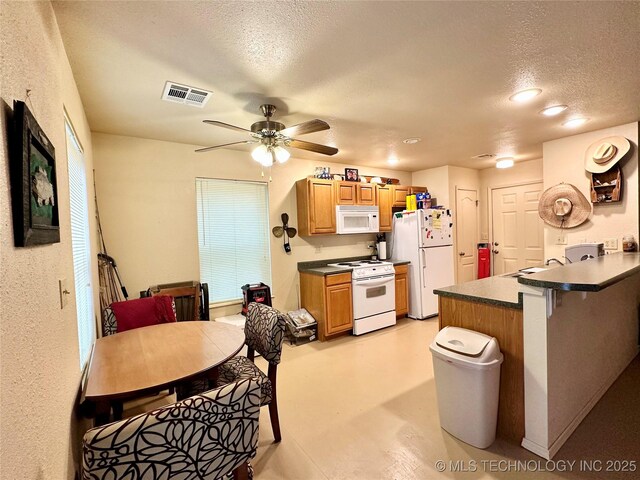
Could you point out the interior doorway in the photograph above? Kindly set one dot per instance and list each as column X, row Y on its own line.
column 466, row 234
column 517, row 232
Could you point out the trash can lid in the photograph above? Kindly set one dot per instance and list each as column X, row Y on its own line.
column 463, row 341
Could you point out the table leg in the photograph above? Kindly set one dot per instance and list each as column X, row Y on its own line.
column 103, row 413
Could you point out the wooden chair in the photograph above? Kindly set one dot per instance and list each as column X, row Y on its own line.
column 207, row 437
column 191, row 299
column 265, row 331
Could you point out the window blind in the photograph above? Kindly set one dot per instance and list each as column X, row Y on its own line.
column 81, row 246
column 233, row 236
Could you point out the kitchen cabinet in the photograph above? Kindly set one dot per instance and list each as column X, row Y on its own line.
column 316, row 206
column 414, row 190
column 402, row 290
column 346, row 193
column 365, row 194
column 353, row 193
column 384, row 193
column 329, row 299
column 399, row 195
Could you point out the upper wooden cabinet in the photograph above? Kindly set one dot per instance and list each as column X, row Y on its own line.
column 399, row 195
column 366, row 194
column 354, row 193
column 384, row 194
column 316, row 206
column 414, row 190
column 345, row 193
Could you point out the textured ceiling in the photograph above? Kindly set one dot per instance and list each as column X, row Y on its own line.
column 377, row 72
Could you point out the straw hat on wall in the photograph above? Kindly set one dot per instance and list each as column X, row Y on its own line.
column 605, row 153
column 563, row 206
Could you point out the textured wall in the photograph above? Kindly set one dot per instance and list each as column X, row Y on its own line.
column 563, row 161
column 147, row 200
column 39, row 366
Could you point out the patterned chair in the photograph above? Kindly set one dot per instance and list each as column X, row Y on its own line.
column 204, row 437
column 264, row 330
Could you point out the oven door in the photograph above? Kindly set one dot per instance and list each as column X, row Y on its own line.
column 373, row 295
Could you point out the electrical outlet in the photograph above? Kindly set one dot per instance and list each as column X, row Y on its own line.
column 64, row 292
column 610, row 243
column 561, row 238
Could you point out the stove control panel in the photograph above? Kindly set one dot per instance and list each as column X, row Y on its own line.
column 372, row 271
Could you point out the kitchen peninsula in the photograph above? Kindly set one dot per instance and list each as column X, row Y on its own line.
column 568, row 332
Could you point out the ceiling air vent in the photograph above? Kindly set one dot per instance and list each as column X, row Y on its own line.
column 177, row 93
column 483, row 156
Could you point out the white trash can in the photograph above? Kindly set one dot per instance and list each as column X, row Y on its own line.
column 466, row 366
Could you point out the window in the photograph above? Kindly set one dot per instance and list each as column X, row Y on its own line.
column 233, row 236
column 81, row 245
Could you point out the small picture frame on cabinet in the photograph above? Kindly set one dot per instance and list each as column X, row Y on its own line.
column 351, row 174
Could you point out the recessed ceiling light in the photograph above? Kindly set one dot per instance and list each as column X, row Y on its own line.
column 412, row 140
column 504, row 162
column 392, row 161
column 554, row 110
column 525, row 95
column 575, row 122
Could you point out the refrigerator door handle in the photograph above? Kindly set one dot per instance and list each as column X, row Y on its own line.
column 423, row 262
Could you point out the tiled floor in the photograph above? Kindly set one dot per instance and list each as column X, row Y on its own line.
column 365, row 408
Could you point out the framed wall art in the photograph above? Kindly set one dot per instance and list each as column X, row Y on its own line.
column 34, row 190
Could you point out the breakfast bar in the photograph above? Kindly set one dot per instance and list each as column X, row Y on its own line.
column 567, row 333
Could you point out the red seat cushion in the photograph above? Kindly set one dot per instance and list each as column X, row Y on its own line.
column 143, row 312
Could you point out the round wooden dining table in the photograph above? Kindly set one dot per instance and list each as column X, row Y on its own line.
column 149, row 359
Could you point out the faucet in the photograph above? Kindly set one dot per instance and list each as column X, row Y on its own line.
column 549, row 260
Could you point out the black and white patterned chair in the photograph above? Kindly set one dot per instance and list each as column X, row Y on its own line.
column 204, row 437
column 264, row 331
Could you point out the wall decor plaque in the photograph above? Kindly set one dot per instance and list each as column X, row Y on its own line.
column 34, row 189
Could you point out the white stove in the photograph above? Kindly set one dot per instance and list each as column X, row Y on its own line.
column 374, row 294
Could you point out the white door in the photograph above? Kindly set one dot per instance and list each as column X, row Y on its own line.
column 517, row 229
column 466, row 234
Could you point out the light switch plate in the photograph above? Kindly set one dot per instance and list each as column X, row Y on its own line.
column 561, row 238
column 64, row 292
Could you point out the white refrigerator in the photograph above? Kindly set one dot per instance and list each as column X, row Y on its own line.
column 425, row 238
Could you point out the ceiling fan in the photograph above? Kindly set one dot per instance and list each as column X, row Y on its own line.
column 272, row 137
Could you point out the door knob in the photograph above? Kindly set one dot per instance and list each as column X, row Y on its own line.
column 496, row 244
column 461, row 254
column 495, row 251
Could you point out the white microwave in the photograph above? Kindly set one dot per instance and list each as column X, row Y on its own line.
column 357, row 219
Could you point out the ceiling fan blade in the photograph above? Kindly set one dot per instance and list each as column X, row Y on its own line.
column 306, row 127
column 206, row 149
column 312, row 147
column 226, row 125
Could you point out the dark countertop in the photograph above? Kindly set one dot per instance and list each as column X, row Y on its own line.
column 319, row 267
column 588, row 276
column 502, row 291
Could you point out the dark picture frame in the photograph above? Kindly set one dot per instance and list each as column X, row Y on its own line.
column 351, row 174
column 34, row 187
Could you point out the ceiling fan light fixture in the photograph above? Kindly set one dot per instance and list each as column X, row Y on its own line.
column 282, row 154
column 262, row 155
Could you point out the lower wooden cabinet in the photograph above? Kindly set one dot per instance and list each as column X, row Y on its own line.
column 329, row 299
column 402, row 290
